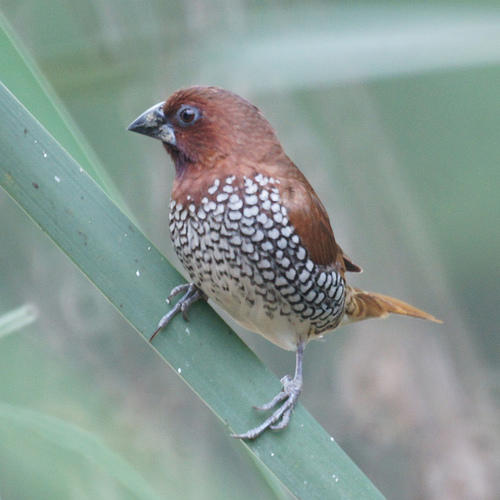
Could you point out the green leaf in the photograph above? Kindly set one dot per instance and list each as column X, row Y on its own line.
column 72, row 438
column 78, row 216
column 20, row 72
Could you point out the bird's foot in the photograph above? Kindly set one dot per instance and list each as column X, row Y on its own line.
column 191, row 295
column 281, row 416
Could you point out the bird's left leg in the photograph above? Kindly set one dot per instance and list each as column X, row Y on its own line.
column 192, row 294
column 289, row 395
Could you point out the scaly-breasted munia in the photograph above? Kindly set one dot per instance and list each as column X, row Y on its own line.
column 251, row 232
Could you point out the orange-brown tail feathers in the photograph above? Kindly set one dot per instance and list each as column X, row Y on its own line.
column 363, row 305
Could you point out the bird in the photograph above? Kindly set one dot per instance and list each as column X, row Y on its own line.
column 252, row 233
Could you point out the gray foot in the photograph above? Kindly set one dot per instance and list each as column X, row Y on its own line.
column 281, row 417
column 191, row 295
column 289, row 395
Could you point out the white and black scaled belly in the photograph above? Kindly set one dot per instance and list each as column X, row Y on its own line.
column 239, row 247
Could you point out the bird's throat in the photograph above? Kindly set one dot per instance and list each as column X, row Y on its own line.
column 180, row 159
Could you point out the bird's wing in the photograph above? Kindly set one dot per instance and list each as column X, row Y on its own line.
column 350, row 265
column 310, row 220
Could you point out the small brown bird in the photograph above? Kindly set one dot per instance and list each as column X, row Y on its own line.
column 252, row 233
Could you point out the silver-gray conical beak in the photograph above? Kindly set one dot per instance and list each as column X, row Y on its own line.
column 153, row 123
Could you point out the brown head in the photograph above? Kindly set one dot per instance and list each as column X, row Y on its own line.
column 199, row 126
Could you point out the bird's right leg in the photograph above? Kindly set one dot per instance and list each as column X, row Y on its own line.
column 280, row 418
column 191, row 295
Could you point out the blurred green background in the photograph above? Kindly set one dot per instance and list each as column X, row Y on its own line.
column 392, row 110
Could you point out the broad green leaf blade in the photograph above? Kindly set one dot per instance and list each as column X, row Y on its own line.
column 20, row 72
column 67, row 204
column 77, row 440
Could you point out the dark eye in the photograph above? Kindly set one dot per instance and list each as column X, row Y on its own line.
column 187, row 115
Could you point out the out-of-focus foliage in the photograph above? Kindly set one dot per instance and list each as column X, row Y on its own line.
column 393, row 112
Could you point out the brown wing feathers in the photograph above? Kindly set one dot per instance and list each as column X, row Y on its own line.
column 310, row 219
column 311, row 222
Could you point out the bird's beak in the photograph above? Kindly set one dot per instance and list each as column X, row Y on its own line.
column 154, row 124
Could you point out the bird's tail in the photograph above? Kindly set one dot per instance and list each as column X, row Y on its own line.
column 363, row 305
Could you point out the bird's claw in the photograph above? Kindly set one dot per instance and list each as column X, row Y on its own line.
column 177, row 290
column 191, row 295
column 281, row 416
column 283, row 422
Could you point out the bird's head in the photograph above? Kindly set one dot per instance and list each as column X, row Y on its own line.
column 199, row 126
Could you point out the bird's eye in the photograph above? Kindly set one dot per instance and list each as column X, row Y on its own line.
column 187, row 115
